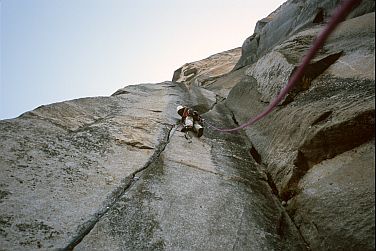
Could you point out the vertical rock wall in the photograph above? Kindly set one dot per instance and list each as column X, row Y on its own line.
column 115, row 173
column 317, row 146
column 63, row 165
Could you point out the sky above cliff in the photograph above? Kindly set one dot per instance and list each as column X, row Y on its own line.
column 56, row 50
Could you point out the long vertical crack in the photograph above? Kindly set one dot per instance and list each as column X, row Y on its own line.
column 270, row 182
column 128, row 182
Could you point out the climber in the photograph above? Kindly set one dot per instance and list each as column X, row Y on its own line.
column 191, row 120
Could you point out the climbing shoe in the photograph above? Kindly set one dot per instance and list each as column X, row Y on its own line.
column 188, row 137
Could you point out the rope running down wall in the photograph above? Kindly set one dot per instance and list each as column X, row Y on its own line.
column 339, row 15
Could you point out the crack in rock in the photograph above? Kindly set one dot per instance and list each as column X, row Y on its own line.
column 115, row 195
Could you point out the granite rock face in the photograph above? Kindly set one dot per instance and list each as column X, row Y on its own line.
column 317, row 146
column 289, row 19
column 206, row 71
column 64, row 164
column 116, row 173
column 208, row 194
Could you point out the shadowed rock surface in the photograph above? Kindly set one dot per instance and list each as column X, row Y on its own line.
column 309, row 144
column 116, row 173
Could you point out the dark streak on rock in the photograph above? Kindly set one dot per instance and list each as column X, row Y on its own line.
column 328, row 143
column 190, row 71
column 312, row 71
column 319, row 18
column 120, row 92
column 234, row 118
column 255, row 155
column 322, row 118
column 272, row 184
column 302, row 166
column 281, row 225
column 3, row 195
column 177, row 74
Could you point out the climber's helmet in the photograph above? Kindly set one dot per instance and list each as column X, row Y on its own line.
column 179, row 110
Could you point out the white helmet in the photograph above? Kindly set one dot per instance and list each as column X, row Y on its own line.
column 179, row 108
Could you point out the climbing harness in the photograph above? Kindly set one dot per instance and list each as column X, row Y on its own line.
column 338, row 16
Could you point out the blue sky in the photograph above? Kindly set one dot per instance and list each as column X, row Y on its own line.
column 56, row 50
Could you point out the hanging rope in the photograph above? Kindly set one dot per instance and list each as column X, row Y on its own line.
column 339, row 15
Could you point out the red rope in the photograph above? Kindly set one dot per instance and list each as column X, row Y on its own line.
column 339, row 15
